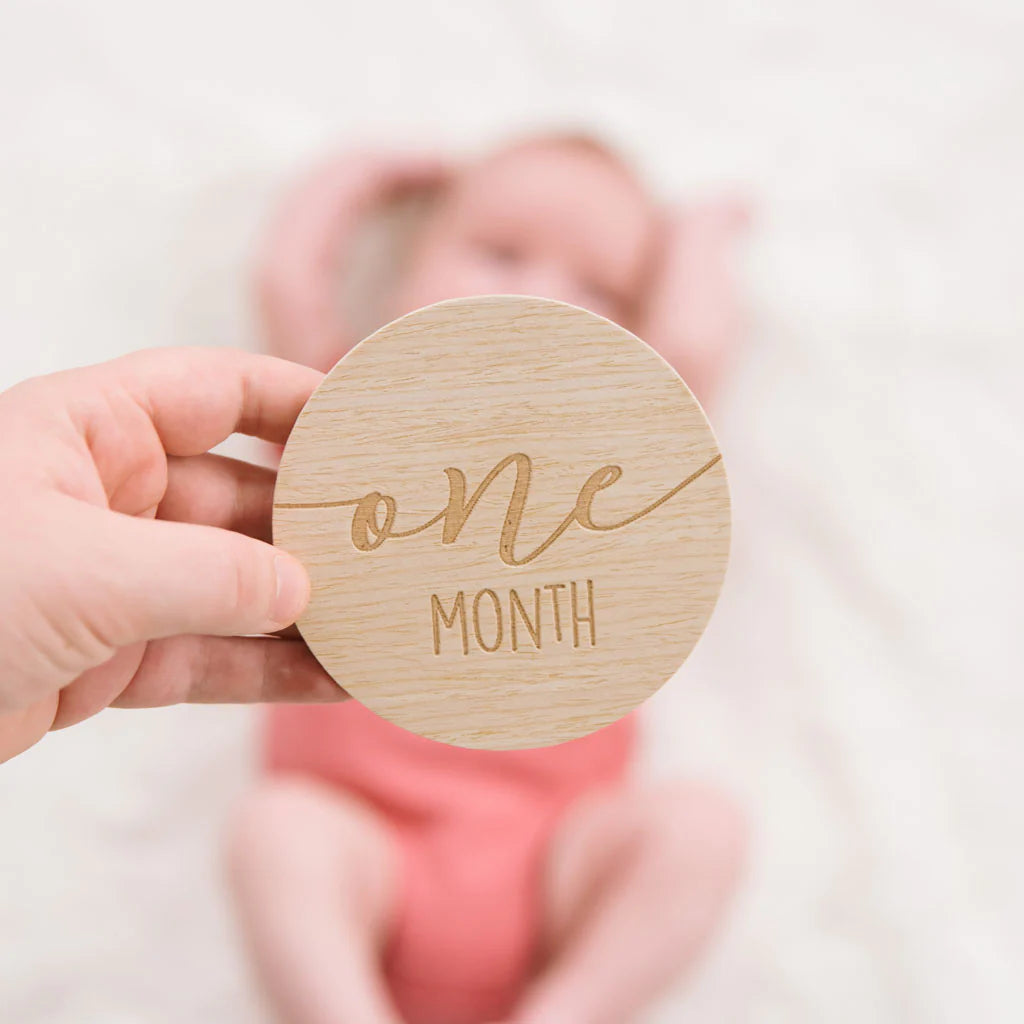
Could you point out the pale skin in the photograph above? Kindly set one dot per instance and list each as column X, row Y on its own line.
column 137, row 570
column 636, row 880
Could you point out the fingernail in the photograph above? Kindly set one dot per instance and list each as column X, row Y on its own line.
column 292, row 593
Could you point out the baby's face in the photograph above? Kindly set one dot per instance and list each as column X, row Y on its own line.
column 551, row 220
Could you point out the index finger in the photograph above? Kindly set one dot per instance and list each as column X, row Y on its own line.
column 197, row 397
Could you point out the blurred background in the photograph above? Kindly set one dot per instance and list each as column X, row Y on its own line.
column 859, row 685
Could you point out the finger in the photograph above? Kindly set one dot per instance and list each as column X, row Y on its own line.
column 200, row 669
column 228, row 670
column 96, row 688
column 196, row 398
column 216, row 491
column 20, row 729
column 154, row 578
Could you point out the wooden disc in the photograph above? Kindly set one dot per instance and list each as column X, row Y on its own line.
column 515, row 518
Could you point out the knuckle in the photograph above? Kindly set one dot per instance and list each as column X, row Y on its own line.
column 249, row 586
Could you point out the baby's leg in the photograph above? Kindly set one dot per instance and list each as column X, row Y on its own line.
column 313, row 873
column 636, row 884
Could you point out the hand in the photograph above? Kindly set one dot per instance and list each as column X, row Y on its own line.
column 304, row 252
column 693, row 316
column 134, row 562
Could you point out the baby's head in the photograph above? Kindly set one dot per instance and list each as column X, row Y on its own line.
column 560, row 217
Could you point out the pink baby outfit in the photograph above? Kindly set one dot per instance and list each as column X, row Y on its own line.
column 472, row 827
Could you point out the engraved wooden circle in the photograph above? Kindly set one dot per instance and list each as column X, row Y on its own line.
column 515, row 518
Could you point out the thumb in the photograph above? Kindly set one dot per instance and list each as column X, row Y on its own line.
column 168, row 578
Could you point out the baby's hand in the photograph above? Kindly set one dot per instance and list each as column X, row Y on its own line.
column 693, row 316
column 136, row 565
column 303, row 255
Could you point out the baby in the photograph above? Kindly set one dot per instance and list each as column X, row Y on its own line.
column 382, row 877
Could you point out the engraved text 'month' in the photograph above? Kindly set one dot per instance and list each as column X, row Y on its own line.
column 514, row 621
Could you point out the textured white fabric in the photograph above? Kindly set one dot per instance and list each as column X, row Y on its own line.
column 860, row 684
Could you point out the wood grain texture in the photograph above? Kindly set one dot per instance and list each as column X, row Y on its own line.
column 515, row 518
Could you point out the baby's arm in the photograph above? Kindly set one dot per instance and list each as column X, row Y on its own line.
column 693, row 315
column 303, row 256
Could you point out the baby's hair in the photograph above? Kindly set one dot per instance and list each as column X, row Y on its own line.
column 571, row 138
